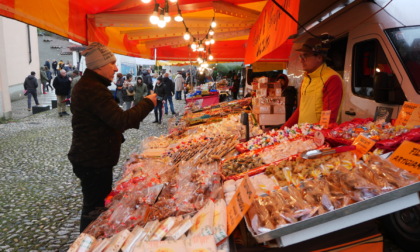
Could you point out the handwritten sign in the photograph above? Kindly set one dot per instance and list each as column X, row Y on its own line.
column 239, row 204
column 271, row 30
column 414, row 119
column 325, row 119
column 363, row 145
column 405, row 113
column 407, row 157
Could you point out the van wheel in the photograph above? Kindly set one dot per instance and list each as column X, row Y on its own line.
column 403, row 227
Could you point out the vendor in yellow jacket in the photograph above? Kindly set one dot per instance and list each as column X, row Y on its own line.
column 322, row 87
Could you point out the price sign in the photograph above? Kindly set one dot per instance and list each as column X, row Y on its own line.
column 414, row 119
column 363, row 145
column 405, row 113
column 240, row 204
column 407, row 157
column 325, row 119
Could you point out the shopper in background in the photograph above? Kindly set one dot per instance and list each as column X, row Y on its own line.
column 179, row 85
column 75, row 78
column 322, row 87
column 44, row 79
column 30, row 85
column 118, row 92
column 62, row 85
column 235, row 86
column 49, row 76
column 128, row 92
column 140, row 90
column 147, row 79
column 161, row 96
column 54, row 66
column 290, row 94
column 98, row 125
column 169, row 90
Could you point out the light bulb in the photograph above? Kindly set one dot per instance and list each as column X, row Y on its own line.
column 187, row 36
column 199, row 60
column 207, row 42
column 210, row 57
column 211, row 32
column 212, row 41
column 161, row 23
column 154, row 18
column 200, row 48
column 213, row 24
column 194, row 46
column 167, row 18
column 178, row 18
column 205, row 64
column 173, row 1
column 146, row 1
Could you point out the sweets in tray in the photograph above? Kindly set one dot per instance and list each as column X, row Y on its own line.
column 273, row 137
column 251, row 160
column 342, row 185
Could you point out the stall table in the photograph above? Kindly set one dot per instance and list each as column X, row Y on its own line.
column 207, row 100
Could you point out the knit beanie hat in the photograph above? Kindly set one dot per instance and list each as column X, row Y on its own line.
column 97, row 55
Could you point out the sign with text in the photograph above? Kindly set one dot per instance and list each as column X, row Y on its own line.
column 363, row 145
column 405, row 113
column 414, row 119
column 407, row 157
column 272, row 29
column 325, row 119
column 239, row 204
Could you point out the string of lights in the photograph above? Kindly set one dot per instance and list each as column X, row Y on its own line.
column 200, row 44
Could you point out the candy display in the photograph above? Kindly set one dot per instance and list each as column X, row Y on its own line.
column 346, row 132
column 337, row 189
column 254, row 159
column 174, row 190
column 276, row 136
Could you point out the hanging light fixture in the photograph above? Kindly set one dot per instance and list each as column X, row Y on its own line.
column 161, row 23
column 154, row 18
column 212, row 41
column 145, row 1
column 201, row 47
column 178, row 17
column 211, row 32
column 209, row 55
column 213, row 23
column 173, row 1
column 167, row 18
column 199, row 59
column 187, row 35
column 194, row 45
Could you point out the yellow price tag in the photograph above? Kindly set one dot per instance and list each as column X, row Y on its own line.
column 363, row 145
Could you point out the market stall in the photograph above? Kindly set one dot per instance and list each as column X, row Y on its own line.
column 191, row 188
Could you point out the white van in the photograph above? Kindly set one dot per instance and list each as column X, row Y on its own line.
column 377, row 52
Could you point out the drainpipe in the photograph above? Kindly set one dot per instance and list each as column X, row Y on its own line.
column 29, row 44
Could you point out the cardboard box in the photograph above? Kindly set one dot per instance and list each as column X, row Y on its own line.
column 263, row 80
column 262, row 109
column 262, row 92
column 271, row 119
column 279, row 109
column 254, row 85
column 274, row 85
column 274, row 92
column 262, row 85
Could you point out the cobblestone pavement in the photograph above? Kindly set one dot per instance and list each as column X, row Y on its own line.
column 40, row 199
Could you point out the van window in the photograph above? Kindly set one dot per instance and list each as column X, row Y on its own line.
column 373, row 77
column 406, row 41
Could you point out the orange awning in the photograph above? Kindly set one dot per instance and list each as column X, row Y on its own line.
column 123, row 25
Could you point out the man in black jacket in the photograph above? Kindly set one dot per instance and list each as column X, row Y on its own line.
column 30, row 85
column 98, row 125
column 62, row 85
column 170, row 91
column 147, row 78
